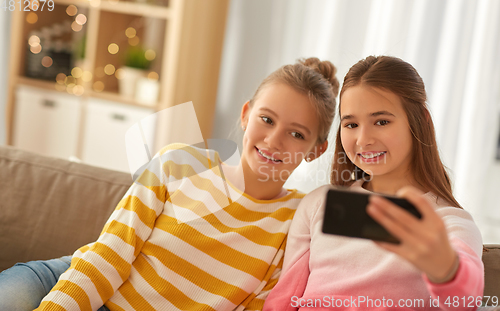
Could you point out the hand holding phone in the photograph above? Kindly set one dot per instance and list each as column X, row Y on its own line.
column 345, row 214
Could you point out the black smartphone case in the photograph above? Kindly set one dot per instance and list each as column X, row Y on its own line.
column 345, row 214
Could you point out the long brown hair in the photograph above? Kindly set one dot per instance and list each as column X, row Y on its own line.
column 399, row 77
column 315, row 79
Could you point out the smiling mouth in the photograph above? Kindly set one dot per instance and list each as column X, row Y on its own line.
column 267, row 157
column 371, row 155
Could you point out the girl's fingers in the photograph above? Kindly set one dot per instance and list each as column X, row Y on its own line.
column 421, row 203
column 394, row 226
column 395, row 212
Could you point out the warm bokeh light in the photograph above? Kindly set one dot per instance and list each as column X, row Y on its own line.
column 78, row 90
column 36, row 49
column 87, row 76
column 76, row 27
column 60, row 78
column 130, row 32
column 98, row 86
column 150, row 55
column 113, row 48
column 153, row 76
column 99, row 72
column 133, row 41
column 71, row 10
column 119, row 73
column 34, row 41
column 47, row 61
column 69, row 80
column 77, row 72
column 31, row 18
column 60, row 87
column 81, row 19
column 109, row 69
column 69, row 88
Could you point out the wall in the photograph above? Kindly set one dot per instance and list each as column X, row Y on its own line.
column 4, row 60
column 262, row 35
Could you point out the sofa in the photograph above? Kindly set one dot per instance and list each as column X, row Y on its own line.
column 50, row 207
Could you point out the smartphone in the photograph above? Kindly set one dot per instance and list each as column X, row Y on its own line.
column 345, row 214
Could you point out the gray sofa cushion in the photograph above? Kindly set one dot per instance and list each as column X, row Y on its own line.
column 50, row 207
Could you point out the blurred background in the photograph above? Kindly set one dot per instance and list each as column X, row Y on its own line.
column 136, row 58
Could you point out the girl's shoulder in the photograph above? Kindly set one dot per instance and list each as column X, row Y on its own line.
column 317, row 194
column 182, row 153
column 312, row 202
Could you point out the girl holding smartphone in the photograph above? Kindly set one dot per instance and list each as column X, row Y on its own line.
column 386, row 134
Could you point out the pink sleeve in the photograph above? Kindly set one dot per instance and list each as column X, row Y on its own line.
column 290, row 287
column 463, row 291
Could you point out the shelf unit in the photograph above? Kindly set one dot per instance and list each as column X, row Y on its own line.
column 187, row 37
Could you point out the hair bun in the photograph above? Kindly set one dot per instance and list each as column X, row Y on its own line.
column 326, row 69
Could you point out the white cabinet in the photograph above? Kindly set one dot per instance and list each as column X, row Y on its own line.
column 105, row 128
column 49, row 122
column 46, row 122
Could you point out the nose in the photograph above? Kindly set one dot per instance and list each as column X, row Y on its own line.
column 365, row 137
column 274, row 139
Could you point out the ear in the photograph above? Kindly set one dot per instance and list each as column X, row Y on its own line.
column 245, row 111
column 318, row 150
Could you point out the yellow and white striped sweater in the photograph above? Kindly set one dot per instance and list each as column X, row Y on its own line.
column 180, row 239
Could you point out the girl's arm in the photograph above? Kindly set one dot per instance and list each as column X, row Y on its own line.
column 99, row 269
column 445, row 245
column 295, row 272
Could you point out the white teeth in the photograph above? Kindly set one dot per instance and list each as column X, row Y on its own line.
column 372, row 155
column 267, row 157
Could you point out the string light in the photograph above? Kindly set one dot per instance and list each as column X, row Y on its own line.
column 71, row 10
column 133, row 41
column 98, row 86
column 119, row 73
column 36, row 49
column 153, row 76
column 78, row 90
column 31, row 18
column 60, row 78
column 130, row 32
column 76, row 27
column 150, row 55
column 81, row 19
column 34, row 40
column 113, row 48
column 87, row 76
column 109, row 69
column 95, row 3
column 77, row 72
column 47, row 61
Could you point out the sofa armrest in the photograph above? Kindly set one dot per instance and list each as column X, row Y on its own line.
column 50, row 207
column 491, row 260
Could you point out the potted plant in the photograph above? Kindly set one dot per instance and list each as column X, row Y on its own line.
column 135, row 67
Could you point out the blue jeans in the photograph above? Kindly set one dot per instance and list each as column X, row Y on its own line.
column 23, row 286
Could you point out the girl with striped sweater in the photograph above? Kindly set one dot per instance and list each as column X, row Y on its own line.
column 193, row 233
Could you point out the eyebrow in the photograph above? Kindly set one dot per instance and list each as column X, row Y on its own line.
column 293, row 123
column 373, row 114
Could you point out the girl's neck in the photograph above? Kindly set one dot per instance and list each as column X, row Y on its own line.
column 390, row 185
column 249, row 183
